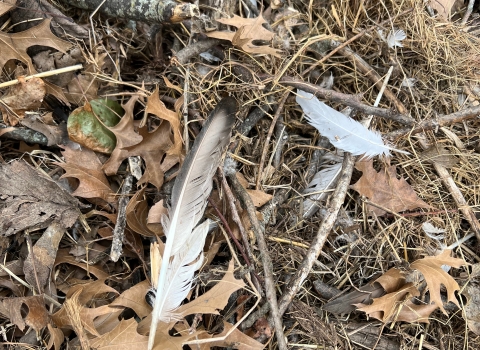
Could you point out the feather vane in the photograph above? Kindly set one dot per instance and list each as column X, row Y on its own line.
column 322, row 181
column 182, row 254
column 343, row 132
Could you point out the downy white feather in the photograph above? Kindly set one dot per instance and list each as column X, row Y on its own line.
column 322, row 181
column 182, row 253
column 343, row 132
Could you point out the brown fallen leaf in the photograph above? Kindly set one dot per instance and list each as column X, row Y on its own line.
column 435, row 276
column 216, row 298
column 38, row 265
column 234, row 340
column 209, row 303
column 79, row 308
column 157, row 107
column 134, row 298
column 249, row 30
column 126, row 136
column 443, row 7
column 412, row 313
column 36, row 314
column 439, row 155
column 123, row 337
column 383, row 188
column 155, row 214
column 63, row 257
column 17, row 289
column 84, row 165
column 391, row 280
column 14, row 46
column 137, row 214
column 153, row 150
column 31, row 200
column 84, row 87
column 25, row 96
column 385, row 308
column 56, row 337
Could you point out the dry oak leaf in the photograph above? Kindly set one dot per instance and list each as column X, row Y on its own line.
column 391, row 280
column 209, row 303
column 383, row 188
column 126, row 136
column 157, row 107
column 64, row 257
column 81, row 297
column 84, row 165
column 443, row 7
column 31, row 200
column 230, row 338
column 37, row 315
column 123, row 337
column 386, row 307
column 435, row 276
column 15, row 45
column 56, row 337
column 25, row 96
column 249, row 30
column 137, row 214
column 216, row 298
column 153, row 150
column 134, row 298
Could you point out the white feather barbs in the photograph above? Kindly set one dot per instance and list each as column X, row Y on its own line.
column 343, row 132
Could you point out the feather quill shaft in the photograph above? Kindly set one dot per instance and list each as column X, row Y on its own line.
column 181, row 257
column 343, row 132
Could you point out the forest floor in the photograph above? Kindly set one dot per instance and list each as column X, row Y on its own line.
column 344, row 213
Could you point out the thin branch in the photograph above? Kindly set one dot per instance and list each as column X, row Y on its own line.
column 457, row 195
column 347, row 100
column 432, row 124
column 374, row 77
column 325, row 227
column 42, row 75
column 247, row 203
column 119, row 231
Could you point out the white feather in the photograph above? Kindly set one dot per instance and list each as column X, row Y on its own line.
column 181, row 257
column 343, row 132
column 322, row 181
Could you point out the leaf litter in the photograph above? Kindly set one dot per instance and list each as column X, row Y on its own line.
column 60, row 203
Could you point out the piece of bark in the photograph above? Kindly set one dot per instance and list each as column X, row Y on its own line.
column 39, row 263
column 155, row 11
column 369, row 337
column 31, row 200
column 25, row 135
column 26, row 10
